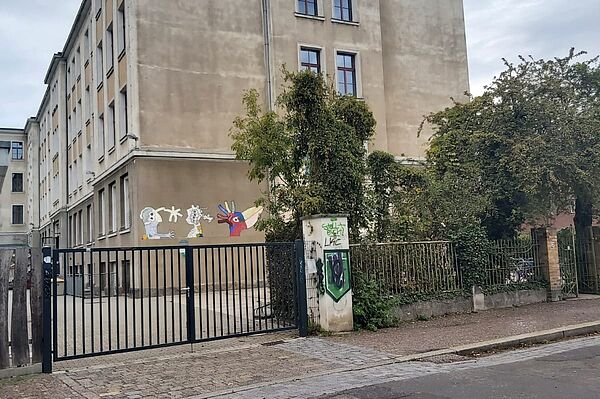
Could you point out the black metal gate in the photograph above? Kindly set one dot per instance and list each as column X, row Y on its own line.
column 112, row 300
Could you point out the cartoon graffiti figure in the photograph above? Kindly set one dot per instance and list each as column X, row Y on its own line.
column 174, row 214
column 195, row 215
column 238, row 221
column 151, row 218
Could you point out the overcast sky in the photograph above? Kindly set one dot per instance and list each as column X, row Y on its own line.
column 32, row 30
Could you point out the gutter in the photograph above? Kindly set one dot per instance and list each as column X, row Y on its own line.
column 266, row 7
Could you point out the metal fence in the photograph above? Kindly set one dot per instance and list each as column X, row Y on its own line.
column 513, row 262
column 122, row 299
column 409, row 267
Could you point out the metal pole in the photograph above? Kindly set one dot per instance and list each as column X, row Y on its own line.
column 46, row 311
column 301, row 287
column 189, row 280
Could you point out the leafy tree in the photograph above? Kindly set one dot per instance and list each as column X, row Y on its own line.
column 311, row 152
column 530, row 144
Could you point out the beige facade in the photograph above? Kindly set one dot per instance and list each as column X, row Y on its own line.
column 13, row 188
column 139, row 103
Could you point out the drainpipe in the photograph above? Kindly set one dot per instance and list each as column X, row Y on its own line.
column 66, row 105
column 266, row 6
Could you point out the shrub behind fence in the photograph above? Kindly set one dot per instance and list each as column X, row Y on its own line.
column 408, row 267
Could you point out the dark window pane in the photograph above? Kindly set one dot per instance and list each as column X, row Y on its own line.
column 17, row 182
column 17, row 214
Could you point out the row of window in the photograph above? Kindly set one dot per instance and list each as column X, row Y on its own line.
column 310, row 59
column 342, row 9
column 115, row 210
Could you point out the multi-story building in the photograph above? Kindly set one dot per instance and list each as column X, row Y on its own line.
column 133, row 129
column 13, row 188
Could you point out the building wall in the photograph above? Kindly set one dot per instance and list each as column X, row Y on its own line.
column 194, row 62
column 13, row 234
column 425, row 63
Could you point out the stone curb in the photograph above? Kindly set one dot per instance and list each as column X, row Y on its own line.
column 536, row 337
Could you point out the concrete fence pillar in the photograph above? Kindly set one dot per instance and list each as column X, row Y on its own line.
column 547, row 241
column 328, row 234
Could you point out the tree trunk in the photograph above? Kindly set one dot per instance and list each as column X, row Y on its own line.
column 583, row 216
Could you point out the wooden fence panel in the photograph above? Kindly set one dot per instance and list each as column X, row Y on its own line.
column 5, row 261
column 36, row 298
column 19, row 331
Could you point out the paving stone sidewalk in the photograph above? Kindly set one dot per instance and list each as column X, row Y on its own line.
column 263, row 364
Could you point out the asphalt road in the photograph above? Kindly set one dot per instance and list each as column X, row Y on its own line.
column 565, row 375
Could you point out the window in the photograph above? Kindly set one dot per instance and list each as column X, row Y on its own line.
column 342, row 10
column 101, row 213
column 110, row 59
column 73, row 221
column 17, row 182
column 78, row 62
column 17, row 150
column 90, row 224
column 17, row 214
column 80, row 228
column 99, row 64
column 125, row 212
column 123, row 113
column 310, row 59
column 112, row 206
column 122, row 44
column 98, row 7
column 101, row 138
column 307, row 7
column 111, row 126
column 86, row 45
column 87, row 105
column 346, row 74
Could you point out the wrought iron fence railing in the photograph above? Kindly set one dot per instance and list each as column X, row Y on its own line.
column 513, row 262
column 408, row 267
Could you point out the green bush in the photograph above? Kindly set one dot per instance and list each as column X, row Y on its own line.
column 372, row 309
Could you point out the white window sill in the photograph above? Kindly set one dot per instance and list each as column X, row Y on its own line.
column 314, row 17
column 342, row 22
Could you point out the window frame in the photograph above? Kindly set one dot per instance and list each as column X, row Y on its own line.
column 306, row 5
column 125, row 209
column 102, row 213
column 112, row 127
column 123, row 114
column 13, row 182
column 13, row 149
column 112, row 207
column 12, row 214
column 354, row 70
column 110, row 49
column 311, row 49
column 349, row 10
column 121, row 30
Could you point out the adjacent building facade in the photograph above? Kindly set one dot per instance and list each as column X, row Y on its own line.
column 14, row 221
column 130, row 145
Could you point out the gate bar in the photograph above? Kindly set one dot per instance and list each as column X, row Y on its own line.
column 301, row 287
column 46, row 309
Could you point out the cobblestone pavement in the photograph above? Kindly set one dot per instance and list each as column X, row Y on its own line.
column 349, row 379
column 461, row 329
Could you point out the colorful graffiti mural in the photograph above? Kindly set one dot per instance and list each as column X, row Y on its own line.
column 195, row 216
column 151, row 219
column 238, row 221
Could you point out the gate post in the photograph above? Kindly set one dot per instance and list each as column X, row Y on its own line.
column 302, row 318
column 46, row 310
column 548, row 260
column 189, row 281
